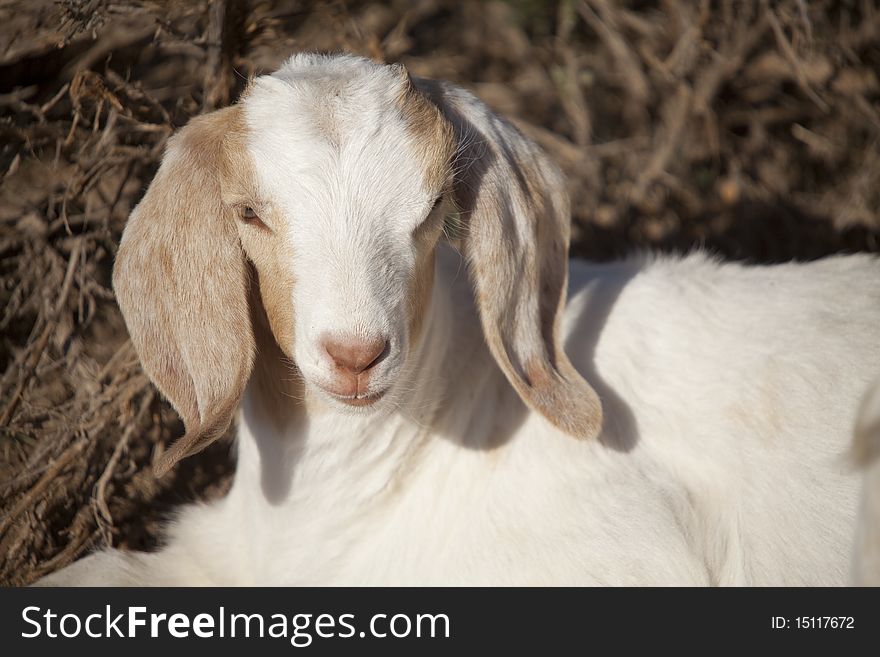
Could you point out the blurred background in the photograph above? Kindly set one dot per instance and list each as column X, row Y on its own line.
column 747, row 128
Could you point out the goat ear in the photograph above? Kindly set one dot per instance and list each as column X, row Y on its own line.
column 516, row 217
column 181, row 282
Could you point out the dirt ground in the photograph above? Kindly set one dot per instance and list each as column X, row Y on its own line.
column 748, row 128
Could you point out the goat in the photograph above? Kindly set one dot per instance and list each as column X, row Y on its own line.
column 374, row 268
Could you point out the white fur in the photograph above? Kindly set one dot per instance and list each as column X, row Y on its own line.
column 328, row 197
column 729, row 396
column 866, row 564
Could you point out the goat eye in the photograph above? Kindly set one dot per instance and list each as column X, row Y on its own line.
column 248, row 215
column 436, row 203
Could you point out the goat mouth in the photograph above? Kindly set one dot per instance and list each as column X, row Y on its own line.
column 361, row 400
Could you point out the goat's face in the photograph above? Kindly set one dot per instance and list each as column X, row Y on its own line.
column 340, row 212
column 328, row 182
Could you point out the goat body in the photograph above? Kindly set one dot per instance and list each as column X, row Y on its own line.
column 727, row 419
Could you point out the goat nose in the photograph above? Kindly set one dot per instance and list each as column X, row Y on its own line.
column 355, row 354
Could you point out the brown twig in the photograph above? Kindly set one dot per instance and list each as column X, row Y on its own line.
column 100, row 496
column 28, row 499
column 792, row 58
column 604, row 25
column 41, row 343
column 224, row 20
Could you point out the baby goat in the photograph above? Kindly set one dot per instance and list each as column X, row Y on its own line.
column 409, row 412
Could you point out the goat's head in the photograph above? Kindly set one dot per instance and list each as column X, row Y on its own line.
column 326, row 188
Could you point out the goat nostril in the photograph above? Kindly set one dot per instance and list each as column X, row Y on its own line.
column 355, row 355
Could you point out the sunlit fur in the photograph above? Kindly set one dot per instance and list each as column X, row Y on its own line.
column 729, row 393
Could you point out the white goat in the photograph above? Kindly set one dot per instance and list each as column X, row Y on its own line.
column 409, row 415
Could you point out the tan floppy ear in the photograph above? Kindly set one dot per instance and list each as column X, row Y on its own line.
column 516, row 222
column 181, row 282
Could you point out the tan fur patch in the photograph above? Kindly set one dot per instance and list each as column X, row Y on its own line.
column 276, row 381
column 270, row 255
column 266, row 249
column 182, row 280
column 536, row 373
column 435, row 144
column 420, row 295
column 432, row 135
column 515, row 210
